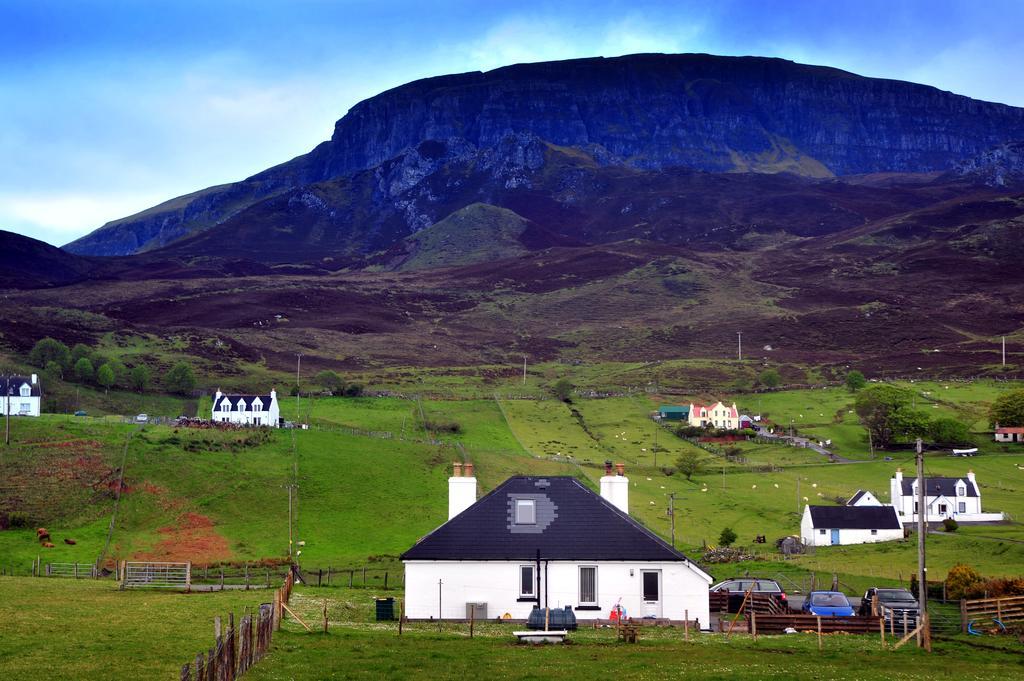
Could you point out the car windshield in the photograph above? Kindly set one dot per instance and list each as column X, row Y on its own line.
column 830, row 600
column 890, row 596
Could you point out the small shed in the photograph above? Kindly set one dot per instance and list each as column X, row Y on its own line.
column 842, row 525
column 1010, row 434
column 674, row 413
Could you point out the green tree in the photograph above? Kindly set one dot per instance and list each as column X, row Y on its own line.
column 180, row 379
column 330, row 380
column 770, row 378
column 53, row 370
column 105, row 376
column 353, row 390
column 80, row 350
column 948, row 431
column 83, row 370
column 727, row 538
column 855, row 381
column 886, row 413
column 562, row 389
column 688, row 463
column 1008, row 409
column 139, row 377
column 49, row 350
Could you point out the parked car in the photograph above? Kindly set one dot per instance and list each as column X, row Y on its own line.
column 142, row 418
column 828, row 604
column 80, row 413
column 892, row 604
column 737, row 588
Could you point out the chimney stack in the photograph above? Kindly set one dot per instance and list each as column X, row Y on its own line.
column 461, row 489
column 615, row 488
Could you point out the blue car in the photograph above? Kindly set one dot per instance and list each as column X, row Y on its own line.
column 828, row 604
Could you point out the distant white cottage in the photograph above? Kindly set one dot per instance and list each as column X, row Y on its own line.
column 20, row 395
column 548, row 542
column 956, row 498
column 863, row 498
column 843, row 525
column 247, row 410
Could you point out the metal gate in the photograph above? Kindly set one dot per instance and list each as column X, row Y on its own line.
column 75, row 570
column 151, row 575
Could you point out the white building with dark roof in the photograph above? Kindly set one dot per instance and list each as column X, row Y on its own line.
column 844, row 525
column 247, row 410
column 863, row 498
column 549, row 542
column 956, row 498
column 20, row 395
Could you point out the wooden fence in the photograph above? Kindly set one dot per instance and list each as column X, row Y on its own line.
column 777, row 624
column 236, row 649
column 761, row 603
column 1006, row 610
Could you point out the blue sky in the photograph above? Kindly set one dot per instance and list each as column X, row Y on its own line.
column 109, row 107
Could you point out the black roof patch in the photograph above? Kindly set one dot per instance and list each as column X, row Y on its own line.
column 855, row 517
column 233, row 401
column 856, row 497
column 934, row 487
column 14, row 383
column 571, row 523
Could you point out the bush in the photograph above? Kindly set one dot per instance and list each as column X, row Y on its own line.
column 180, row 379
column 330, row 380
column 453, row 427
column 50, row 350
column 855, row 381
column 562, row 389
column 353, row 390
column 770, row 378
column 668, row 470
column 14, row 520
column 83, row 370
column 950, row 525
column 960, row 580
column 727, row 538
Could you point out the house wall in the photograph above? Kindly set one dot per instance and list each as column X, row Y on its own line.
column 267, row 418
column 496, row 583
column 16, row 402
column 812, row 536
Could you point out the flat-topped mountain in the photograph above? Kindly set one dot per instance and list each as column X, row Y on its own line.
column 647, row 112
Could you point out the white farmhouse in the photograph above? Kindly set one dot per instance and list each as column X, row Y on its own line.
column 863, row 498
column 20, row 395
column 247, row 410
column 843, row 525
column 716, row 415
column 549, row 543
column 956, row 498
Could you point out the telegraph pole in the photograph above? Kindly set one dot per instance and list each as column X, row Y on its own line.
column 924, row 637
column 298, row 368
column 739, row 345
column 7, row 411
column 672, row 515
column 1004, row 350
column 524, row 369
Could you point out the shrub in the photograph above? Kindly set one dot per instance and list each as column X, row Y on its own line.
column 960, row 579
column 562, row 389
column 855, row 381
column 50, row 350
column 668, row 470
column 727, row 538
column 950, row 525
column 180, row 379
column 83, row 370
column 770, row 378
column 437, row 426
column 353, row 390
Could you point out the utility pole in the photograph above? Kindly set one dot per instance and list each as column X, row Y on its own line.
column 798, row 494
column 524, row 369
column 672, row 515
column 924, row 637
column 656, row 427
column 739, row 345
column 1004, row 350
column 298, row 368
column 290, row 544
column 7, row 411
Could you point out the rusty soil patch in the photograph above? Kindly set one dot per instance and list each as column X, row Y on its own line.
column 193, row 538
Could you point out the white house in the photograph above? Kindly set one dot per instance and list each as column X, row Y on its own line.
column 715, row 415
column 843, row 525
column 20, row 395
column 549, row 542
column 863, row 498
column 247, row 410
column 1009, row 434
column 956, row 498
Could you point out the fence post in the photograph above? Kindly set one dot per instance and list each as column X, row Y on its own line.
column 221, row 577
column 385, row 580
column 686, row 625
column 200, row 671
column 186, row 672
column 246, row 576
column 963, row 615
column 819, row 634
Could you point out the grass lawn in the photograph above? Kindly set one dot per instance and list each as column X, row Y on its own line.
column 85, row 629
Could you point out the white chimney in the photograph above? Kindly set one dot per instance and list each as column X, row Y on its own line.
column 461, row 489
column 615, row 486
column 971, row 479
column 35, row 379
column 273, row 394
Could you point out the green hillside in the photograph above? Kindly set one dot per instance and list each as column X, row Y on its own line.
column 477, row 233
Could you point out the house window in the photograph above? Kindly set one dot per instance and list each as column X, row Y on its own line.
column 915, row 507
column 962, row 507
column 527, row 582
column 821, row 531
column 588, row 585
column 873, row 532
column 961, row 492
column 526, row 512
column 942, row 508
column 25, row 391
column 256, row 420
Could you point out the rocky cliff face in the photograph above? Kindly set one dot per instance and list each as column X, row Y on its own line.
column 647, row 112
column 1001, row 166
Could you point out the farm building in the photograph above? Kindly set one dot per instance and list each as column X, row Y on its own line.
column 20, row 395
column 247, row 410
column 956, row 498
column 715, row 415
column 673, row 413
column 843, row 525
column 1009, row 434
column 863, row 498
column 549, row 542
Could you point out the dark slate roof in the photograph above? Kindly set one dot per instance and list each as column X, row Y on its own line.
column 573, row 523
column 934, row 487
column 856, row 497
column 233, row 401
column 855, row 517
column 15, row 383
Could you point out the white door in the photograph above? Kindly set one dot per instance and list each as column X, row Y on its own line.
column 651, row 584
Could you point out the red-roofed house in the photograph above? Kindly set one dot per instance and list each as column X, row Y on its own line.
column 715, row 415
column 1013, row 434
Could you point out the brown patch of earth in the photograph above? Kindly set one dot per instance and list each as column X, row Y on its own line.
column 191, row 538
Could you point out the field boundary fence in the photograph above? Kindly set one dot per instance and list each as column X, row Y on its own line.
column 1008, row 610
column 155, row 575
column 237, row 648
column 72, row 570
column 378, row 578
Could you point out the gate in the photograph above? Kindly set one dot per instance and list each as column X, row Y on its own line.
column 151, row 575
column 75, row 570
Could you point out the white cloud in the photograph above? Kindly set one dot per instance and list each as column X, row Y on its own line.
column 59, row 218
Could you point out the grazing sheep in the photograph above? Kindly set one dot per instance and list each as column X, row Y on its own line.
column 70, row 542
